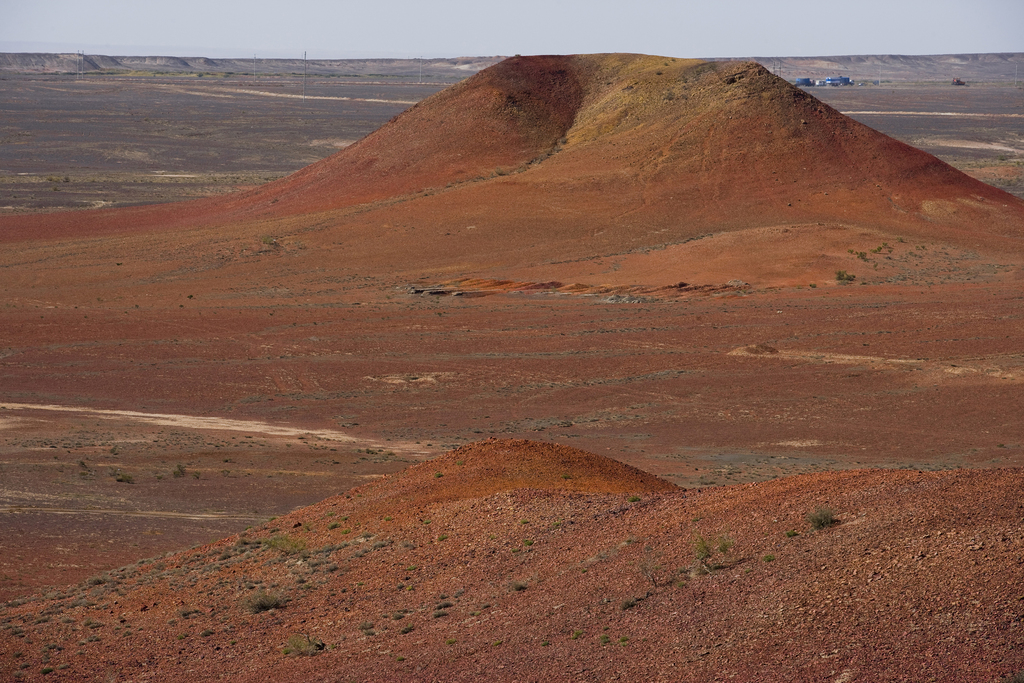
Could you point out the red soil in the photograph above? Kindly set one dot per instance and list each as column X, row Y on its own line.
column 294, row 297
column 482, row 469
column 657, row 151
column 919, row 580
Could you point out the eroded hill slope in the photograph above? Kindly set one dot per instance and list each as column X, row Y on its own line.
column 567, row 158
column 589, row 577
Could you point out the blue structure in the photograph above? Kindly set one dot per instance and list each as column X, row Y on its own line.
column 831, row 80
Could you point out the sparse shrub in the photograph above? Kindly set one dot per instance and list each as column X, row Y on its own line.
column 648, row 564
column 261, row 601
column 367, row 628
column 408, row 628
column 791, row 533
column 518, row 586
column 769, row 558
column 633, row 499
column 179, row 471
column 821, row 518
column 724, row 544
column 701, row 548
column 843, row 276
column 125, row 478
column 628, row 603
column 302, row 645
column 286, row 544
column 450, row 641
column 703, row 551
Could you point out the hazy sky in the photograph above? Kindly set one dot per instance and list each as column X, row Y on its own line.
column 447, row 28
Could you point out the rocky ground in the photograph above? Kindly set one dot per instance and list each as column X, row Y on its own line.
column 516, row 560
column 573, row 250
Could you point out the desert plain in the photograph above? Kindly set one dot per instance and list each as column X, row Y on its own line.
column 586, row 314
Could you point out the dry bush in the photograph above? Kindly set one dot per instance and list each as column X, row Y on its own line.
column 821, row 518
column 261, row 601
column 302, row 645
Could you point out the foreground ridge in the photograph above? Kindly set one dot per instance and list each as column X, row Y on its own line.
column 414, row 577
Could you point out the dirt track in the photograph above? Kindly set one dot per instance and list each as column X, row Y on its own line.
column 185, row 421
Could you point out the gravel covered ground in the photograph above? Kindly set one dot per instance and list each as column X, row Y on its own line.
column 517, row 560
column 573, row 250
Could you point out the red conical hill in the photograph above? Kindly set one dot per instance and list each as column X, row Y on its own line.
column 487, row 467
column 555, row 160
column 500, row 118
